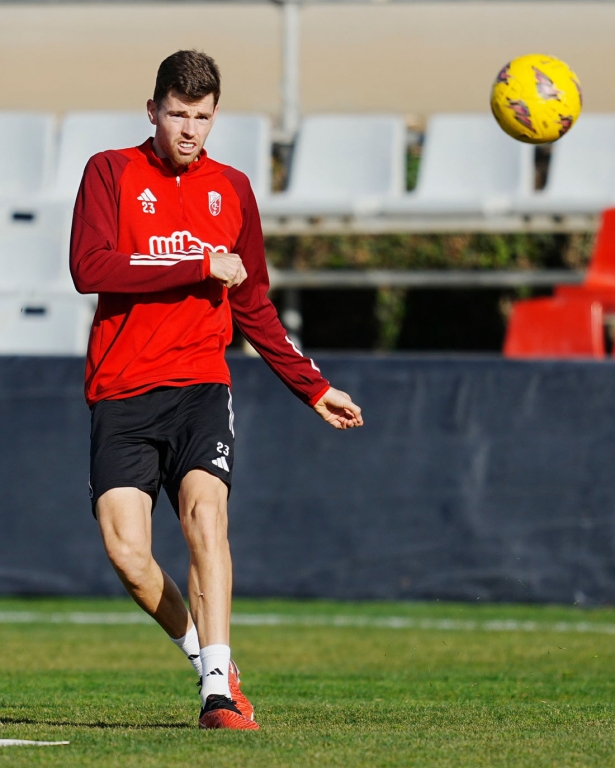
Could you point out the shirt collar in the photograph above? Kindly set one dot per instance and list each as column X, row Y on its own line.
column 164, row 164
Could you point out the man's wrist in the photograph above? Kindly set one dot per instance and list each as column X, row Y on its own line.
column 313, row 400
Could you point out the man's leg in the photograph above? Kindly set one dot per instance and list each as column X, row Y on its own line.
column 203, row 515
column 125, row 519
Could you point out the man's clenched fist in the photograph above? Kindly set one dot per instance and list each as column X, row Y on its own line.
column 227, row 268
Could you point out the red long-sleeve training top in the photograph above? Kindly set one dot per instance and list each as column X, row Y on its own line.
column 141, row 238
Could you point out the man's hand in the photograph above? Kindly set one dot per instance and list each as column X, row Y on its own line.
column 337, row 409
column 227, row 268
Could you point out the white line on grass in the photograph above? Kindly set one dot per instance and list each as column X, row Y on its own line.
column 41, row 617
column 30, row 743
column 400, row 622
column 296, row 620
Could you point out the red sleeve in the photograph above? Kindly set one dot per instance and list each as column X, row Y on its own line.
column 255, row 314
column 95, row 263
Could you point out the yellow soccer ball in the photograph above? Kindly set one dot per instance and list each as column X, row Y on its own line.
column 536, row 99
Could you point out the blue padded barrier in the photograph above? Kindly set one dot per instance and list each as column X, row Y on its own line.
column 472, row 478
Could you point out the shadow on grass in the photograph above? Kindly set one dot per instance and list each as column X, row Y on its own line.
column 133, row 726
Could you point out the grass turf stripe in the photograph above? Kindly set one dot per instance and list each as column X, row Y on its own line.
column 289, row 620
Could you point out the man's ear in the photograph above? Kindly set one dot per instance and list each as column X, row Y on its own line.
column 152, row 111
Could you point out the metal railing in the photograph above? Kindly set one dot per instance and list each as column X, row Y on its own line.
column 293, row 279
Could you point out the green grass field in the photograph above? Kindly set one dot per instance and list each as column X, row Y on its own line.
column 334, row 684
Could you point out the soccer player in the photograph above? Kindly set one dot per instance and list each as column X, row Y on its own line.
column 171, row 242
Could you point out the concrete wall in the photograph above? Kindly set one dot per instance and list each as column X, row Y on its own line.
column 105, row 56
column 413, row 58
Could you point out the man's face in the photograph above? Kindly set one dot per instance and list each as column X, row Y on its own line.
column 181, row 127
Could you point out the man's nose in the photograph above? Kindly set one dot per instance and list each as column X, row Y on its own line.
column 189, row 126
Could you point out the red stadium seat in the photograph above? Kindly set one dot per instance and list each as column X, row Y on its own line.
column 600, row 280
column 601, row 270
column 602, row 294
column 558, row 327
column 571, row 324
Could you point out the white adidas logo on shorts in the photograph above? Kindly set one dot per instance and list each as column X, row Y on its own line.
column 221, row 462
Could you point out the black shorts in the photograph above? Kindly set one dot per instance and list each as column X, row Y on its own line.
column 156, row 438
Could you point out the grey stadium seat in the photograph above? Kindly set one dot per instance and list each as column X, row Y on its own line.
column 26, row 153
column 244, row 141
column 581, row 177
column 342, row 165
column 83, row 134
column 469, row 166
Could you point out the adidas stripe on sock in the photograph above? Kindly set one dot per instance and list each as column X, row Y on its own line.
column 215, row 660
column 189, row 644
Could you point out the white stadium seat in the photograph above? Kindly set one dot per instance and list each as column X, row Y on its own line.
column 26, row 153
column 83, row 134
column 31, row 231
column 342, row 165
column 581, row 176
column 35, row 229
column 244, row 142
column 34, row 247
column 44, row 324
column 469, row 166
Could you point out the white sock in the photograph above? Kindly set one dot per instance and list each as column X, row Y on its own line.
column 189, row 644
column 215, row 660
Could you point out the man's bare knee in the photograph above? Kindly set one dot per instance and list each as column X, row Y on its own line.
column 131, row 559
column 203, row 510
column 124, row 517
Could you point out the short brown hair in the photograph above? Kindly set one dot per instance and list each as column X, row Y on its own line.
column 191, row 74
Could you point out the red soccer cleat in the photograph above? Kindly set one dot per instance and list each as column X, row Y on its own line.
column 221, row 712
column 234, row 683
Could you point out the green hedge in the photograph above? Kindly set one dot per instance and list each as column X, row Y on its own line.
column 409, row 251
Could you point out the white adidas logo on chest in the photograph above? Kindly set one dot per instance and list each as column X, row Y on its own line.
column 147, row 200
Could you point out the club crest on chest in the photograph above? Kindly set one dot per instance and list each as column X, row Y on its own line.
column 215, row 203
